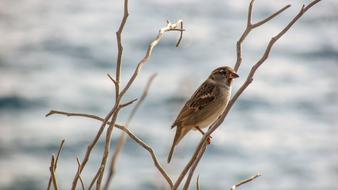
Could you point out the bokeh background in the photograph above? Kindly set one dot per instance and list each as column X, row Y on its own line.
column 55, row 55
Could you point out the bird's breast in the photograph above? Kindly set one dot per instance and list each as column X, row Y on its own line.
column 215, row 109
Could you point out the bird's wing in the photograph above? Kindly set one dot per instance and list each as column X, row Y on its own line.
column 202, row 97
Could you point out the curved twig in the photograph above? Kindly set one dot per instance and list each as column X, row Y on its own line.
column 245, row 181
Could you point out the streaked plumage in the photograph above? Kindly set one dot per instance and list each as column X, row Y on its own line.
column 205, row 105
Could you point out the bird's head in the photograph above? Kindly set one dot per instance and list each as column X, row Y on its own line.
column 223, row 74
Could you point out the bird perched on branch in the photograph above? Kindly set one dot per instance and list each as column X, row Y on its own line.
column 205, row 105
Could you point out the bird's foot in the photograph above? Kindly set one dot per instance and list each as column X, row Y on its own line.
column 202, row 132
column 209, row 139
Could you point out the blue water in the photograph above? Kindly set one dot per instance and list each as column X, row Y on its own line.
column 56, row 54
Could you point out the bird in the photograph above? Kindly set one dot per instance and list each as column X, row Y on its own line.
column 205, row 105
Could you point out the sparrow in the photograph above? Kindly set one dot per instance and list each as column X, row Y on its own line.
column 205, row 105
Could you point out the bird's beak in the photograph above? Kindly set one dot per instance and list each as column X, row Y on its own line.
column 233, row 75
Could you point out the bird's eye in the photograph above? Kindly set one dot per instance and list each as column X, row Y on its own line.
column 223, row 72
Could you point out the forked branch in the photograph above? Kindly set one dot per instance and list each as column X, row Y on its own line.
column 249, row 27
column 53, row 166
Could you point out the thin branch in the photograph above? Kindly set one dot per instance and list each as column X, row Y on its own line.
column 245, row 181
column 128, row 103
column 198, row 183
column 130, row 134
column 188, row 166
column 95, row 178
column 249, row 79
column 249, row 28
column 118, row 98
column 169, row 27
column 78, row 167
column 181, row 35
column 257, row 24
column 91, row 145
column 55, row 163
column 120, row 47
column 193, row 167
column 107, row 146
column 112, row 79
column 122, row 138
column 52, row 173
column 68, row 114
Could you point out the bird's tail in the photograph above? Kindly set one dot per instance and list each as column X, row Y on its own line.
column 180, row 133
column 171, row 152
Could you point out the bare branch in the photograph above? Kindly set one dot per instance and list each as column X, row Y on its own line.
column 128, row 103
column 91, row 145
column 78, row 167
column 193, row 167
column 257, row 24
column 131, row 135
column 169, row 27
column 122, row 138
column 55, row 162
column 52, row 173
column 95, row 178
column 245, row 181
column 113, row 80
column 188, row 166
column 198, row 183
column 181, row 35
column 120, row 47
column 113, row 113
column 250, row 13
column 249, row 79
column 68, row 114
column 249, row 28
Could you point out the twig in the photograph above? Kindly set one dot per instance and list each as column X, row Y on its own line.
column 198, row 183
column 187, row 167
column 130, row 134
column 249, row 28
column 245, row 181
column 128, row 103
column 78, row 167
column 249, row 79
column 117, row 95
column 181, row 35
column 194, row 165
column 52, row 173
column 90, row 146
column 95, row 178
column 55, row 163
column 120, row 47
column 122, row 138
column 113, row 80
column 169, row 27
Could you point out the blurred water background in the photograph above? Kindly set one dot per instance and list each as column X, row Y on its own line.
column 55, row 55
